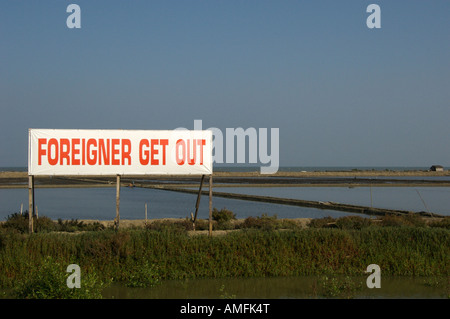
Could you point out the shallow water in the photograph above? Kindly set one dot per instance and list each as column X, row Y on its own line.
column 434, row 199
column 100, row 203
column 282, row 288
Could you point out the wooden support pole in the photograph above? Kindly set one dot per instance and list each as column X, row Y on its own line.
column 117, row 219
column 30, row 202
column 34, row 198
column 197, row 204
column 210, row 205
column 145, row 214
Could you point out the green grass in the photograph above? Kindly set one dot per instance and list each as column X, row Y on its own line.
column 19, row 223
column 130, row 256
column 34, row 265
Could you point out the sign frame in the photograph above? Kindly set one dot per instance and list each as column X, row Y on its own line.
column 73, row 149
column 66, row 152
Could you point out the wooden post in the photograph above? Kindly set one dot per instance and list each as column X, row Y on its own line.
column 30, row 203
column 145, row 214
column 117, row 219
column 197, row 204
column 34, row 206
column 210, row 205
column 21, row 209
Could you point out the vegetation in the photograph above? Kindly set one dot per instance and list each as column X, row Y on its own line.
column 48, row 281
column 224, row 218
column 223, row 215
column 34, row 265
column 17, row 222
column 346, row 222
column 337, row 287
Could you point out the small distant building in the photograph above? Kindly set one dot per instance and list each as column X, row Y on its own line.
column 436, row 168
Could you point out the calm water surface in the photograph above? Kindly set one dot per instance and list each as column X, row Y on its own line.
column 279, row 288
column 99, row 203
column 434, row 199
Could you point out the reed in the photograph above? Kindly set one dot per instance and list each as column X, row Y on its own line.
column 129, row 256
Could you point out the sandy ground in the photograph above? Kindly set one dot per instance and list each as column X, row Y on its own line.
column 127, row 223
column 137, row 223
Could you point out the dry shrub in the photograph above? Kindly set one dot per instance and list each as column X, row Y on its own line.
column 321, row 222
column 261, row 222
column 402, row 220
column 353, row 222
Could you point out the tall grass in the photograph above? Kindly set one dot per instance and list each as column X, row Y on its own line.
column 131, row 255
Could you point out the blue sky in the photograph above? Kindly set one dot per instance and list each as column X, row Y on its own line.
column 340, row 93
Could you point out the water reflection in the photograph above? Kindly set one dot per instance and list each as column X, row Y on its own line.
column 282, row 288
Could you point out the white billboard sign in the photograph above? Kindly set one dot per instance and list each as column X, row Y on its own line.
column 119, row 152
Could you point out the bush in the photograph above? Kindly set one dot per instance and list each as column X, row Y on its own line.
column 264, row 222
column 443, row 223
column 358, row 222
column 288, row 224
column 353, row 222
column 337, row 287
column 142, row 276
column 226, row 225
column 20, row 223
column 321, row 222
column 44, row 225
column 414, row 220
column 17, row 222
column 181, row 225
column 49, row 281
column 224, row 218
column 402, row 220
column 202, row 224
column 223, row 215
column 74, row 225
column 170, row 225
